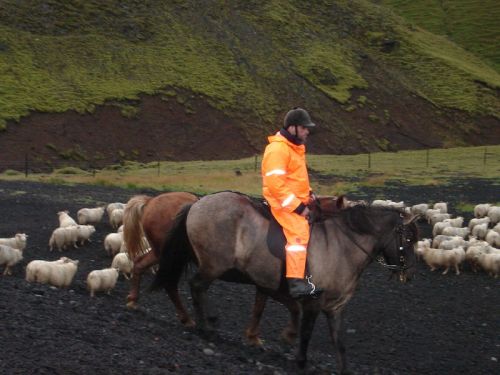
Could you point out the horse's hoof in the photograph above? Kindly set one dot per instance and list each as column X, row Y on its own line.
column 188, row 323
column 132, row 305
column 255, row 341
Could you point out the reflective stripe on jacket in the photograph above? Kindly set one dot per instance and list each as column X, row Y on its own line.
column 284, row 174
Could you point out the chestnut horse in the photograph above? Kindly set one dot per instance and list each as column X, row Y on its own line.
column 225, row 235
column 152, row 217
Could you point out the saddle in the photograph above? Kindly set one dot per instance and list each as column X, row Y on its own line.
column 323, row 207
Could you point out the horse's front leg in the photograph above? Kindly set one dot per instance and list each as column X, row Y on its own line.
column 199, row 287
column 252, row 331
column 334, row 320
column 141, row 263
column 309, row 314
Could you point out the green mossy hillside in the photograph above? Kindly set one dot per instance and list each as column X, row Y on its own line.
column 250, row 57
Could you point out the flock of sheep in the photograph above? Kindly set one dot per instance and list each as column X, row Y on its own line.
column 452, row 243
column 71, row 233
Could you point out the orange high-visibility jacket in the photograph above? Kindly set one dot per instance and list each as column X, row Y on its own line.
column 284, row 174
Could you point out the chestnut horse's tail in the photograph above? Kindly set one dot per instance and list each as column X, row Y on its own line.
column 133, row 233
column 176, row 253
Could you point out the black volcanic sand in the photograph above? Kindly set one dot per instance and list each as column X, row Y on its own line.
column 437, row 324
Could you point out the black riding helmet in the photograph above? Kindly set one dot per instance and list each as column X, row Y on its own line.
column 298, row 117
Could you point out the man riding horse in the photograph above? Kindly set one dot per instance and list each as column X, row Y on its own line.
column 287, row 191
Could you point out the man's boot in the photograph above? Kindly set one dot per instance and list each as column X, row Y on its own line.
column 303, row 288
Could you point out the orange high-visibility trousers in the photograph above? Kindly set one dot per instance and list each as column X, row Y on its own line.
column 296, row 230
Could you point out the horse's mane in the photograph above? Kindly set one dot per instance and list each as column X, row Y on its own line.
column 362, row 218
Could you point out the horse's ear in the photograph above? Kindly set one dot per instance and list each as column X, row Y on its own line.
column 411, row 219
column 342, row 202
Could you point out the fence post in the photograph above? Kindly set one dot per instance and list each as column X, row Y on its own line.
column 369, row 160
column 255, row 163
column 158, row 168
column 427, row 158
column 485, row 155
column 25, row 165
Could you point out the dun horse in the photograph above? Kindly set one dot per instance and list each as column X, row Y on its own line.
column 152, row 217
column 225, row 236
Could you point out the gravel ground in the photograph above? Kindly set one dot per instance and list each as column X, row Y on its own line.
column 438, row 324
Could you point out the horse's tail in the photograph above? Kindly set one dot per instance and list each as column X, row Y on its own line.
column 176, row 252
column 133, row 233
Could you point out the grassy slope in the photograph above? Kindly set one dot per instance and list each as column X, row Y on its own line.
column 472, row 24
column 56, row 56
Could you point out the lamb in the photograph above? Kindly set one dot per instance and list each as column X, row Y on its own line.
column 83, row 233
column 437, row 258
column 65, row 220
column 479, row 231
column 59, row 273
column 419, row 249
column 90, row 215
column 441, row 206
column 490, row 263
column 122, row 263
column 419, row 209
column 17, row 242
column 113, row 243
column 103, row 280
column 436, row 218
column 475, row 221
column 116, row 218
column 493, row 238
column 494, row 214
column 439, row 226
column 481, row 210
column 452, row 231
column 10, row 257
column 63, row 237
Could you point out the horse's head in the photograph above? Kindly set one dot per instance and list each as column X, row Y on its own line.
column 398, row 247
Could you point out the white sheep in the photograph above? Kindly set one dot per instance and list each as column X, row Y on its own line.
column 496, row 228
column 116, row 218
column 490, row 263
column 83, row 233
column 437, row 258
column 440, row 238
column 430, row 212
column 419, row 249
column 437, row 229
column 122, row 263
column 63, row 237
column 90, row 215
column 475, row 248
column 10, row 257
column 59, row 273
column 419, row 209
column 103, row 280
column 481, row 210
column 441, row 206
column 113, row 243
column 494, row 214
column 17, row 242
column 436, row 218
column 479, row 231
column 457, row 222
column 452, row 231
column 475, row 221
column 112, row 206
column 493, row 238
column 452, row 243
column 65, row 220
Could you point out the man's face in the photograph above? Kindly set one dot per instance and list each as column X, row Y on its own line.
column 302, row 132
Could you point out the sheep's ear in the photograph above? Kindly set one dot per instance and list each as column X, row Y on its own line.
column 411, row 219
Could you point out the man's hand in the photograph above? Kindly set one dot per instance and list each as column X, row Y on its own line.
column 306, row 212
